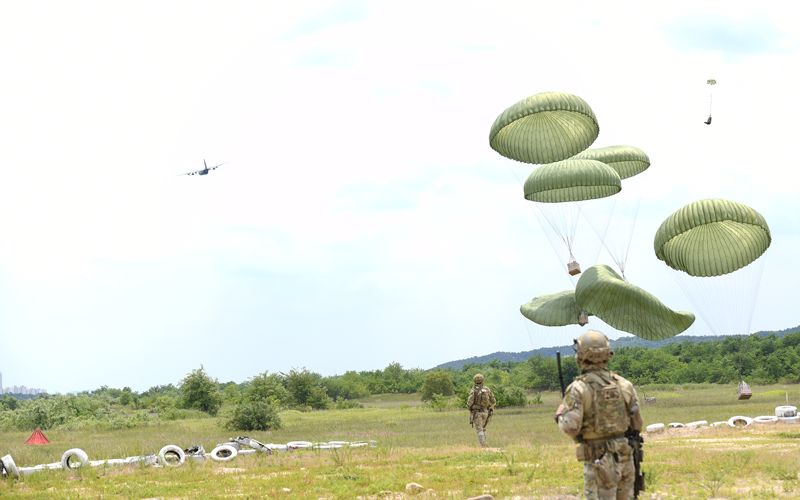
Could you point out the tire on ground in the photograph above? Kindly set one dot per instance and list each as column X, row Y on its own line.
column 76, row 453
column 171, row 456
column 740, row 421
column 765, row 419
column 653, row 428
column 224, row 453
column 10, row 467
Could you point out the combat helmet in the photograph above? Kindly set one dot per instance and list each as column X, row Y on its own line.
column 478, row 378
column 592, row 350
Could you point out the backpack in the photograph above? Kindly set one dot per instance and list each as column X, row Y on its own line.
column 608, row 405
column 480, row 397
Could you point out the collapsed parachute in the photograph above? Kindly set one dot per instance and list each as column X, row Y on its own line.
column 555, row 309
column 712, row 237
column 602, row 292
column 544, row 128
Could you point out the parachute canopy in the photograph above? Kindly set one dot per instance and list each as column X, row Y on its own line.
column 711, row 81
column 544, row 128
column 602, row 292
column 555, row 309
column 712, row 237
column 626, row 160
column 572, row 180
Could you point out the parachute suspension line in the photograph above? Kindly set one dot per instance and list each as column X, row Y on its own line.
column 726, row 303
column 710, row 99
column 710, row 82
column 622, row 260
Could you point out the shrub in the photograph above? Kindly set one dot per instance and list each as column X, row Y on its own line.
column 254, row 416
column 437, row 383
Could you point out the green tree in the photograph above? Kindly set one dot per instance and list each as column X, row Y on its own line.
column 268, row 387
column 200, row 392
column 306, row 389
column 437, row 382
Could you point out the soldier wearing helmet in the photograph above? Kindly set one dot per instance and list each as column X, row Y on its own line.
column 481, row 403
column 598, row 408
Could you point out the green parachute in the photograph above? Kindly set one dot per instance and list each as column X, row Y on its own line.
column 602, row 292
column 544, row 128
column 712, row 238
column 555, row 309
column 572, row 180
column 626, row 160
column 561, row 189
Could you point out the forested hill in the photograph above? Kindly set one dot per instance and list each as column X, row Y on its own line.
column 566, row 350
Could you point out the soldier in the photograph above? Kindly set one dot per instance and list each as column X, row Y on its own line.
column 481, row 403
column 598, row 408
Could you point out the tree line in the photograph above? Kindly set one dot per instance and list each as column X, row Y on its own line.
column 256, row 403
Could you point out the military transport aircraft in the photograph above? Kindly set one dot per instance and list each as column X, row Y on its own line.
column 205, row 169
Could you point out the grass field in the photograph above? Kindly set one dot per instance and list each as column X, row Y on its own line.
column 527, row 458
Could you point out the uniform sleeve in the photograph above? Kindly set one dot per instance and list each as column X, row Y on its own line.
column 492, row 400
column 571, row 420
column 471, row 399
column 637, row 422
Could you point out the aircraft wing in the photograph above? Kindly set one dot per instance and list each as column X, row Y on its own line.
column 192, row 173
column 216, row 166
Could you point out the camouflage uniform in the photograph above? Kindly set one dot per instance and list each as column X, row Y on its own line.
column 598, row 407
column 481, row 403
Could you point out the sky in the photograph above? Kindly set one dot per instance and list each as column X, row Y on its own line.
column 360, row 217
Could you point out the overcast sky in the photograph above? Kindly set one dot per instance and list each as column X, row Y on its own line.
column 361, row 217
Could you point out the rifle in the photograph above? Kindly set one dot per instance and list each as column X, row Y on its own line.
column 471, row 418
column 636, row 441
column 491, row 412
column 560, row 374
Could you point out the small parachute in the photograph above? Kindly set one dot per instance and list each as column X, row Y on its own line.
column 544, row 128
column 711, row 82
column 602, row 292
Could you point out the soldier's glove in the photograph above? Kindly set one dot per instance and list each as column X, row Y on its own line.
column 560, row 411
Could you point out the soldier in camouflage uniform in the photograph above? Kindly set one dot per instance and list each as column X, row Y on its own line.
column 481, row 403
column 598, row 407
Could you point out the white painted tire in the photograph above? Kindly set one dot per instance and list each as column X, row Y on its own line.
column 76, row 453
column 789, row 420
column 653, row 428
column 675, row 425
column 277, row 447
column 720, row 423
column 293, row 445
column 115, row 461
column 10, row 467
column 785, row 411
column 740, row 421
column 224, row 453
column 360, row 444
column 339, row 443
column 248, row 452
column 697, row 423
column 168, row 455
column 765, row 419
